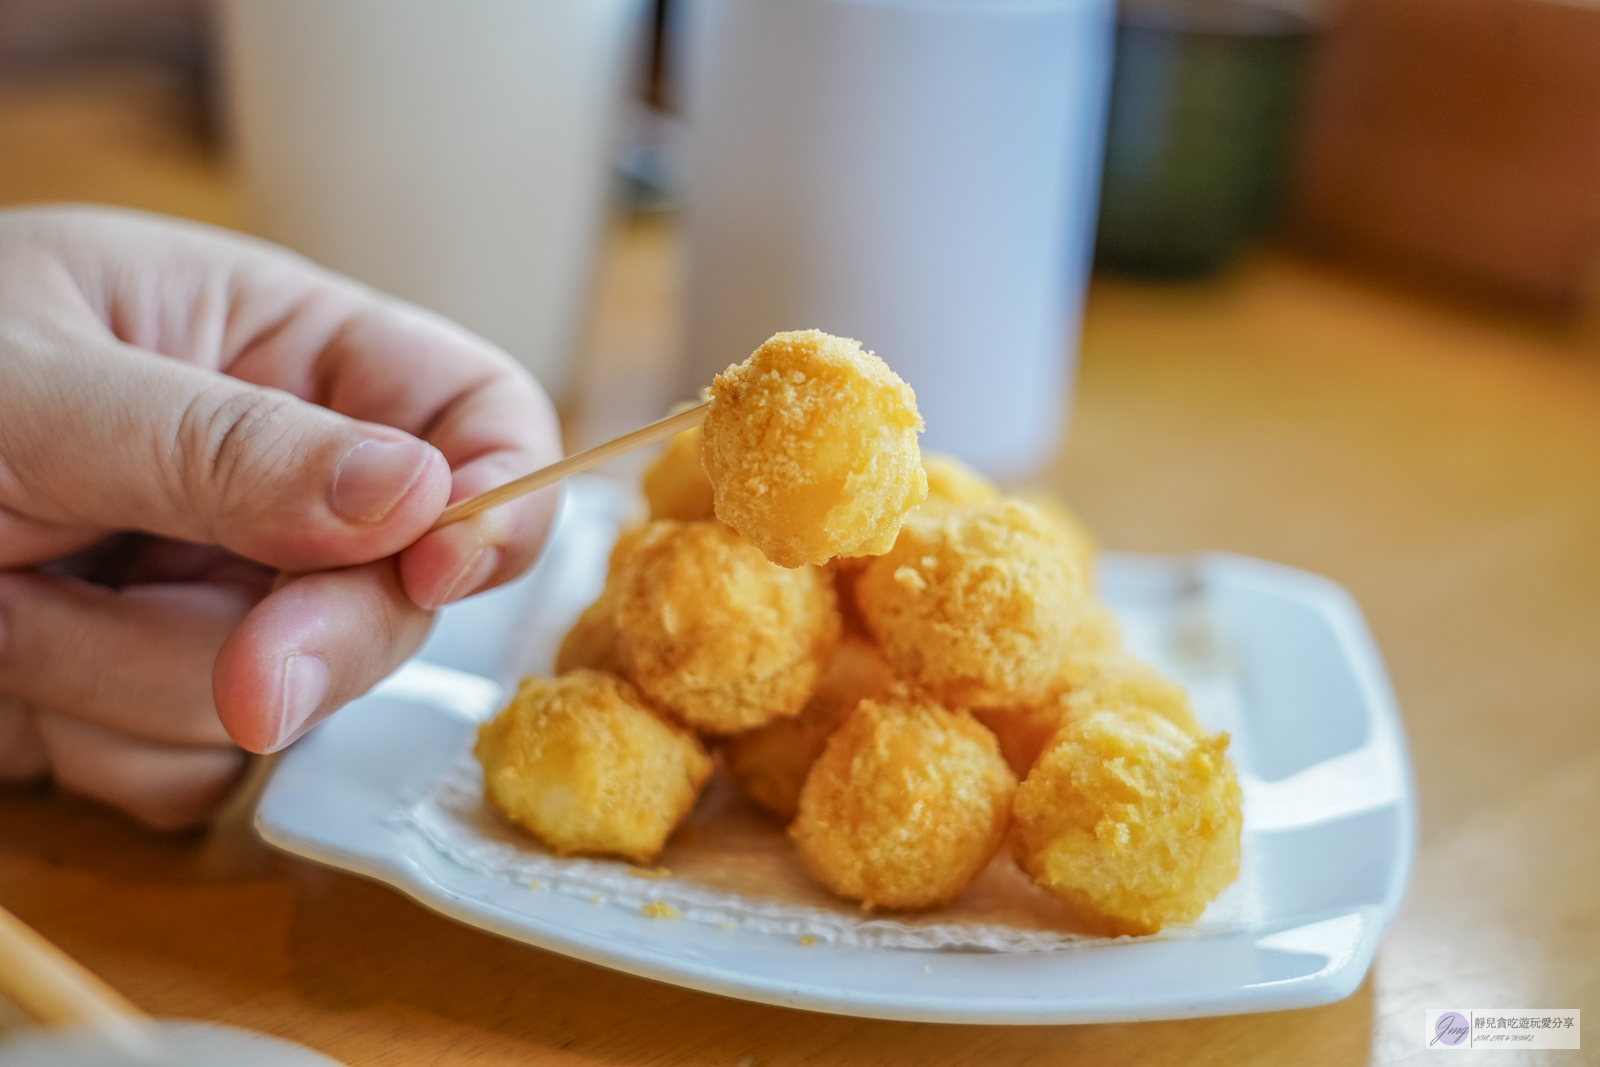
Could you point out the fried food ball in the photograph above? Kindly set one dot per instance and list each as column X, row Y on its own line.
column 1024, row 732
column 1113, row 679
column 771, row 764
column 906, row 804
column 1095, row 673
column 1077, row 535
column 811, row 447
column 592, row 641
column 713, row 633
column 676, row 485
column 584, row 764
column 952, row 483
column 1096, row 637
column 976, row 605
column 1121, row 680
column 1130, row 819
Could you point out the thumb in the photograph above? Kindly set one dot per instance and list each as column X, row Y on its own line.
column 112, row 436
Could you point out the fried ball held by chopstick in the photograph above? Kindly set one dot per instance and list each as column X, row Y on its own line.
column 712, row 632
column 1130, row 819
column 584, row 764
column 811, row 448
column 906, row 804
column 976, row 605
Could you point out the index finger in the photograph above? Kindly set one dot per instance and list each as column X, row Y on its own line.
column 265, row 316
column 389, row 362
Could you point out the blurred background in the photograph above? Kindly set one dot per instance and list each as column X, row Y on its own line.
column 476, row 161
column 1311, row 280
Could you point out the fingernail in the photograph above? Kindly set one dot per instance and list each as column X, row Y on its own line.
column 305, row 683
column 475, row 573
column 374, row 475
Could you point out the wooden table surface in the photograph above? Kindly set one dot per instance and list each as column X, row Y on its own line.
column 1444, row 465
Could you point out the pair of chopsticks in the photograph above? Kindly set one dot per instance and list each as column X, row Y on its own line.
column 648, row 435
column 54, row 990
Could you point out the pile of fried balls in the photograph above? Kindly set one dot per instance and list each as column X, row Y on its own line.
column 879, row 646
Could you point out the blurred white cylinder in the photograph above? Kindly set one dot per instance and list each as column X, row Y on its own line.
column 917, row 174
column 454, row 154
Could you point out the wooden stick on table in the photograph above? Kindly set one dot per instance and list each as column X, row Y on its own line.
column 55, row 991
column 647, row 435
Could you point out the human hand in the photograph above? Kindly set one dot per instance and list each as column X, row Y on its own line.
column 287, row 437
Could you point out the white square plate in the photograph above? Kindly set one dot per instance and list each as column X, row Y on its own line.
column 1279, row 657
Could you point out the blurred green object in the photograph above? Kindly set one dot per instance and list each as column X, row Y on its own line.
column 1204, row 98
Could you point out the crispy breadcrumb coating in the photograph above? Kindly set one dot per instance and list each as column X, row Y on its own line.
column 951, row 484
column 1130, row 819
column 906, row 804
column 1121, row 680
column 1112, row 679
column 592, row 641
column 977, row 605
column 811, row 447
column 584, row 764
column 713, row 633
column 771, row 764
column 1077, row 535
column 676, row 484
column 1023, row 731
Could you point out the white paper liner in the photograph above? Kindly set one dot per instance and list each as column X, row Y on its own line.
column 730, row 865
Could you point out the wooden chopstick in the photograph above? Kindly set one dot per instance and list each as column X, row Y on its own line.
column 552, row 474
column 55, row 991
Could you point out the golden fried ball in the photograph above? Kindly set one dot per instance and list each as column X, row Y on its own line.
column 1112, row 680
column 582, row 762
column 771, row 764
column 1096, row 637
column 1024, row 732
column 592, row 641
column 1121, row 680
column 1077, row 535
column 951, row 483
column 976, row 605
column 906, row 804
column 676, row 484
column 1096, row 674
column 811, row 446
column 1131, row 820
column 712, row 632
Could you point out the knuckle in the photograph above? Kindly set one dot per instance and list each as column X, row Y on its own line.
column 226, row 436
